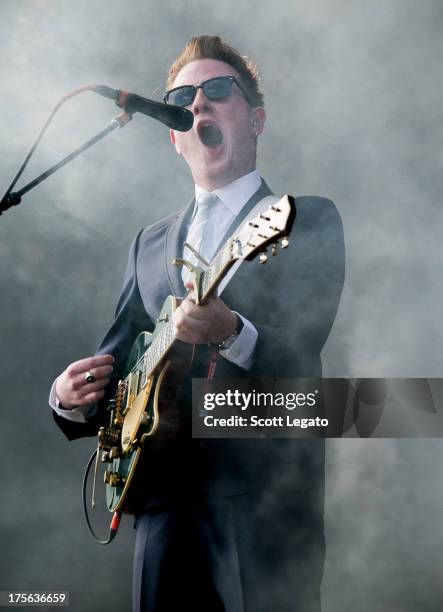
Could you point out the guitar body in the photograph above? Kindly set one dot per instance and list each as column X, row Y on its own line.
column 144, row 406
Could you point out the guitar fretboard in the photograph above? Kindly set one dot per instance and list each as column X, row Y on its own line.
column 216, row 270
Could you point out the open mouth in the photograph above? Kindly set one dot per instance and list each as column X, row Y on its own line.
column 210, row 135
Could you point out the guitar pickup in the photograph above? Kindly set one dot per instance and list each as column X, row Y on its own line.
column 133, row 389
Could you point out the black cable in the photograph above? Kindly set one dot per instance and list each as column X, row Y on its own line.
column 116, row 517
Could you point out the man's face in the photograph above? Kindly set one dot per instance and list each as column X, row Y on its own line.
column 221, row 146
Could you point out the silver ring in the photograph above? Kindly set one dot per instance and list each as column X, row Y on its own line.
column 89, row 377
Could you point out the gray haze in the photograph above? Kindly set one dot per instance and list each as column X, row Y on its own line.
column 353, row 95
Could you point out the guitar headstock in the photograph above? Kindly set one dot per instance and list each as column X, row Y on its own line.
column 269, row 227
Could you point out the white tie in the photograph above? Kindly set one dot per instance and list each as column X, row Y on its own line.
column 197, row 236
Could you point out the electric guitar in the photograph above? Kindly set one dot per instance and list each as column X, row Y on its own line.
column 144, row 412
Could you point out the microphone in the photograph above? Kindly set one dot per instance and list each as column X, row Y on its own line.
column 175, row 117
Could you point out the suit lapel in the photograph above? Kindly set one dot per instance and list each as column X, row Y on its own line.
column 261, row 193
column 175, row 237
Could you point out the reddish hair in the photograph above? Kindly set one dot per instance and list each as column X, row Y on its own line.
column 212, row 47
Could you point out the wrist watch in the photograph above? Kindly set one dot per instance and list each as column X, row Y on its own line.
column 229, row 341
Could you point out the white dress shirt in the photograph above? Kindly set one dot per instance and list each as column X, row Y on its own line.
column 231, row 199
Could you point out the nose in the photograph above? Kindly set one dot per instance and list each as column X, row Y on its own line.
column 200, row 103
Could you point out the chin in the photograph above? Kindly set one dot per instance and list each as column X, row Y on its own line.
column 220, row 177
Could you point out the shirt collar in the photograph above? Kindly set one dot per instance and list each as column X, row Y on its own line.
column 236, row 194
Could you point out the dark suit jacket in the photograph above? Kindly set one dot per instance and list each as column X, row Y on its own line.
column 292, row 302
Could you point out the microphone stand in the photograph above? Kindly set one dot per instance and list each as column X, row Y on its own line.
column 14, row 198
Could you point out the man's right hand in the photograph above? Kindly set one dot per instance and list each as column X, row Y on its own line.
column 72, row 388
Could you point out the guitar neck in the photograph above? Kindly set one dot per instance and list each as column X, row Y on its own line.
column 216, row 271
column 156, row 351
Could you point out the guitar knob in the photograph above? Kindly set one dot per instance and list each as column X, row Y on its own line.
column 284, row 243
column 113, row 479
column 263, row 258
column 114, row 453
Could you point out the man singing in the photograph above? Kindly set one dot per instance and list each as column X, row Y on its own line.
column 232, row 525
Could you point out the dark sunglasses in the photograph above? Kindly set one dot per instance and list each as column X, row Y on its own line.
column 214, row 89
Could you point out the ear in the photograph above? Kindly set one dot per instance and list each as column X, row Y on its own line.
column 174, row 143
column 258, row 118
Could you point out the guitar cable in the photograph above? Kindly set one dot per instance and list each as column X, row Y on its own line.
column 115, row 522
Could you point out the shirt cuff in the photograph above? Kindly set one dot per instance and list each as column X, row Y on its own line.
column 241, row 350
column 80, row 414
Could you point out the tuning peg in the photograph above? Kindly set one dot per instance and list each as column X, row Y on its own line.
column 284, row 243
column 263, row 258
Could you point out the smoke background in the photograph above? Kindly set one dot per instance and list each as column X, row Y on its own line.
column 353, row 96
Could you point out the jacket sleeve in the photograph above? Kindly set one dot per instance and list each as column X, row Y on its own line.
column 302, row 294
column 130, row 319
